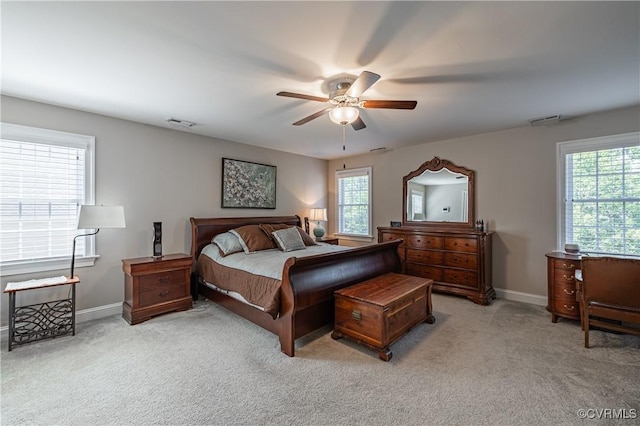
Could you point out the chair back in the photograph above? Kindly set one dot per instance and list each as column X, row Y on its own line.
column 611, row 280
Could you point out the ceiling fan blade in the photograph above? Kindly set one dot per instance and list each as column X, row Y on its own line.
column 312, row 117
column 389, row 104
column 301, row 96
column 358, row 124
column 362, row 83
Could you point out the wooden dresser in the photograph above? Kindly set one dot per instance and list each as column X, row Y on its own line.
column 458, row 261
column 561, row 292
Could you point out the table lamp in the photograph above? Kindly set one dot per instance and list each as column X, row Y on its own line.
column 318, row 215
column 96, row 217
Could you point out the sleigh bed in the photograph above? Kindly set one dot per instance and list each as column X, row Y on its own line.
column 305, row 294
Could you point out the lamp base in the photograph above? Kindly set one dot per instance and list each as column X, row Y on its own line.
column 318, row 231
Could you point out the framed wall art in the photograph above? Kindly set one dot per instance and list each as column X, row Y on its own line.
column 247, row 185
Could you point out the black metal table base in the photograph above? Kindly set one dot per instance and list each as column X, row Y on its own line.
column 41, row 320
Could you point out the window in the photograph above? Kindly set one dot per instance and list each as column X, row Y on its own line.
column 353, row 189
column 600, row 194
column 417, row 205
column 45, row 175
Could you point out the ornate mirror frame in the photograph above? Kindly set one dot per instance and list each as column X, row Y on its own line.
column 435, row 165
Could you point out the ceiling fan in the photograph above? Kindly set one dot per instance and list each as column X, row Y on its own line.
column 345, row 102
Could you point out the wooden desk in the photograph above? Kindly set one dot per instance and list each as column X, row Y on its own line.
column 41, row 320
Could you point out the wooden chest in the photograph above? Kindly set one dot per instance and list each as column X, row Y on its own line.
column 379, row 311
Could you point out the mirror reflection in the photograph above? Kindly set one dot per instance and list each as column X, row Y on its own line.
column 438, row 196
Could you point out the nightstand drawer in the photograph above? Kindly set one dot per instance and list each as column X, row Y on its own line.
column 161, row 293
column 153, row 281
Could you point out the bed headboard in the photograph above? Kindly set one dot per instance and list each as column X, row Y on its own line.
column 204, row 229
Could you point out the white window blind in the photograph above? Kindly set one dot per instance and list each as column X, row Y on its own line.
column 417, row 205
column 45, row 176
column 601, row 194
column 353, row 192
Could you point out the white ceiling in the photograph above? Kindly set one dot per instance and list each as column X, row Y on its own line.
column 473, row 67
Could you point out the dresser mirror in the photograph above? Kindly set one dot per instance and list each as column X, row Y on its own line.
column 439, row 194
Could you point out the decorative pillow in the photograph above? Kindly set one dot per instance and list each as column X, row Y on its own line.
column 289, row 239
column 228, row 243
column 308, row 240
column 252, row 238
column 269, row 228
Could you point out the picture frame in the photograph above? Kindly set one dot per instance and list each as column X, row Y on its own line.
column 248, row 185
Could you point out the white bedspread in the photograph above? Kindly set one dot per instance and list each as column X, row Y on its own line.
column 268, row 263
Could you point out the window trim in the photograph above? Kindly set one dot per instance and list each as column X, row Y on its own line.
column 30, row 134
column 622, row 140
column 360, row 171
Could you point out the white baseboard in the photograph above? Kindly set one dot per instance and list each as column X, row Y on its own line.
column 518, row 296
column 116, row 308
column 83, row 315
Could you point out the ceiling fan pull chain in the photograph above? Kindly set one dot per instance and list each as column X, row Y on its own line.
column 344, row 130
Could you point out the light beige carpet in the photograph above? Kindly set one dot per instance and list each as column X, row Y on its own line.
column 504, row 364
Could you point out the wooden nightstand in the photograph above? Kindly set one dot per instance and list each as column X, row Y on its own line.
column 333, row 241
column 154, row 286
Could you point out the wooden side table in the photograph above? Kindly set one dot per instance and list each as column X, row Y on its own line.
column 154, row 286
column 41, row 320
column 334, row 241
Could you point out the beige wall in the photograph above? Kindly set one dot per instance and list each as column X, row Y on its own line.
column 157, row 175
column 515, row 190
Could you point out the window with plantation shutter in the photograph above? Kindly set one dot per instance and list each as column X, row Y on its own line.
column 353, row 192
column 600, row 194
column 45, row 176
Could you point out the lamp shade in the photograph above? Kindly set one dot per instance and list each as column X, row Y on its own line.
column 318, row 214
column 344, row 114
column 96, row 217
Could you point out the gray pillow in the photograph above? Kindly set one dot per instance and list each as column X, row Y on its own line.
column 289, row 239
column 227, row 243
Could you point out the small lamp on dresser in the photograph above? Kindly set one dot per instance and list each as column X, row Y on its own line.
column 318, row 215
column 96, row 217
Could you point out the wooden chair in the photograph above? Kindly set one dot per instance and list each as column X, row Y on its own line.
column 610, row 295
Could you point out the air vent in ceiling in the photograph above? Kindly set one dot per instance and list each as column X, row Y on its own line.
column 180, row 124
column 545, row 121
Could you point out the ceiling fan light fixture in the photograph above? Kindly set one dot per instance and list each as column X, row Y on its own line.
column 344, row 114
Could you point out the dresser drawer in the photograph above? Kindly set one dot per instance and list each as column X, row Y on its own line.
column 461, row 244
column 429, row 257
column 565, row 276
column 567, row 306
column 461, row 260
column 424, row 241
column 152, row 281
column 432, row 272
column 389, row 236
column 564, row 289
column 461, row 277
column 569, row 265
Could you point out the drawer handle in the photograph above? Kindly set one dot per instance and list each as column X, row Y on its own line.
column 567, row 278
column 163, row 279
column 356, row 315
column 571, row 265
column 163, row 293
column 569, row 292
column 571, row 308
